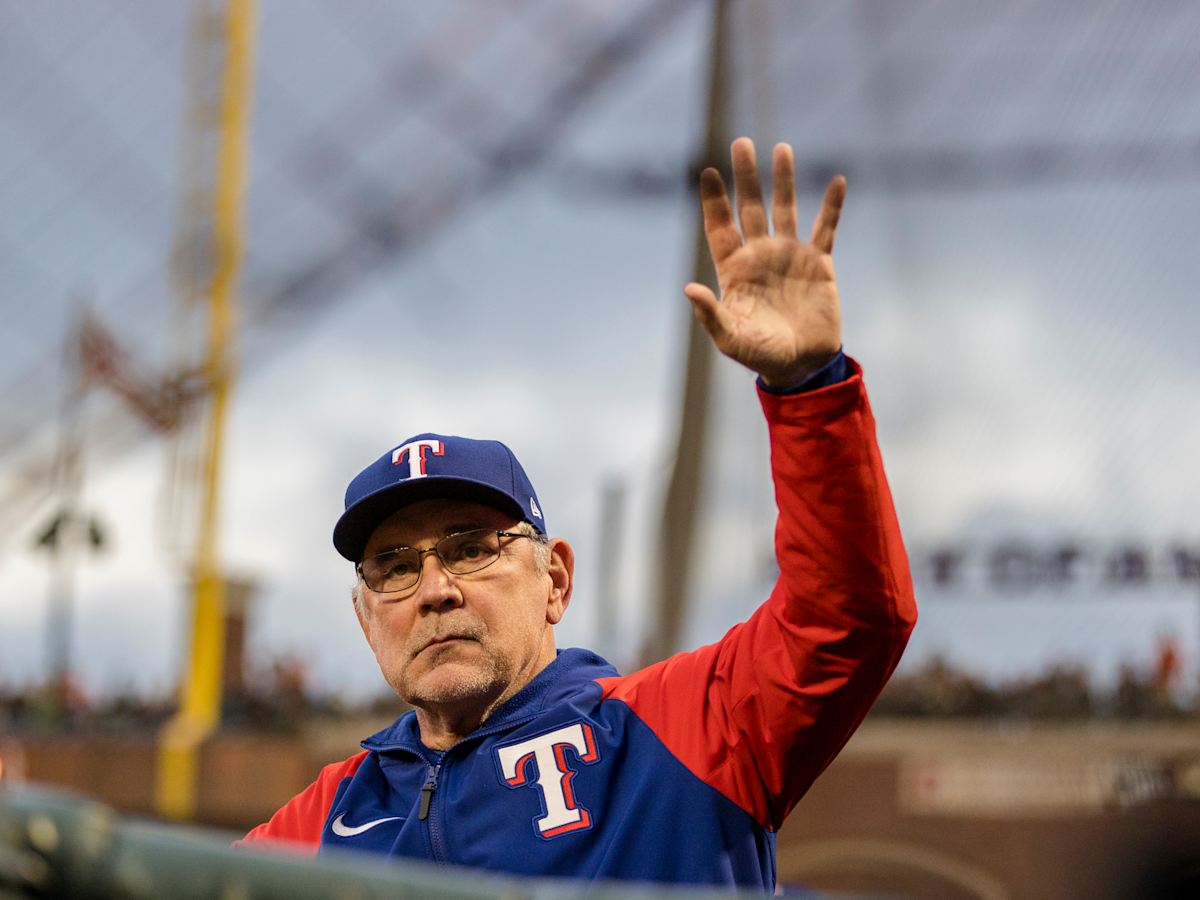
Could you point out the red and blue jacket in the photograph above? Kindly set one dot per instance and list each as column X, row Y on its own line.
column 683, row 771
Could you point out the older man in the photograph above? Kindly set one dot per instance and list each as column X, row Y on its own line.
column 523, row 758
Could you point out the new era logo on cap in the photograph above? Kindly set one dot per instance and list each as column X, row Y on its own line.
column 430, row 466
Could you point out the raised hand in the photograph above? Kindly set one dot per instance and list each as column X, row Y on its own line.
column 778, row 313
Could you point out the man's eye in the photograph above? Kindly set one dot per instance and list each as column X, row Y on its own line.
column 471, row 548
column 401, row 567
column 469, row 551
column 395, row 565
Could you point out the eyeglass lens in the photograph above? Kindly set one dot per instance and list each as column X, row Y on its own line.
column 461, row 554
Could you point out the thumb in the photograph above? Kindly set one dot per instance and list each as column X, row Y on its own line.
column 707, row 308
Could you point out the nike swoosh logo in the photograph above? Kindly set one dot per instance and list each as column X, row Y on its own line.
column 342, row 830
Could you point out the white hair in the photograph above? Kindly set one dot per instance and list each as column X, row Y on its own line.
column 541, row 545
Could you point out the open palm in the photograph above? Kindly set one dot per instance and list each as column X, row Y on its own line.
column 778, row 313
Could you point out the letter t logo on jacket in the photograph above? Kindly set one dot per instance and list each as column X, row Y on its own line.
column 546, row 753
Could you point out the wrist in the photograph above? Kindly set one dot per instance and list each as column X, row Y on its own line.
column 830, row 371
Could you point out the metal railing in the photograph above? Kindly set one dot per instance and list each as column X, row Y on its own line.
column 55, row 844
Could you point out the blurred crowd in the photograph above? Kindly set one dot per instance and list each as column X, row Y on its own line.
column 278, row 699
column 1062, row 691
column 281, row 698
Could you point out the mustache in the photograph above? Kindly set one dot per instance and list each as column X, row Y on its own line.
column 467, row 631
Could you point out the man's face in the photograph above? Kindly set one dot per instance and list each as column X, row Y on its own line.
column 464, row 639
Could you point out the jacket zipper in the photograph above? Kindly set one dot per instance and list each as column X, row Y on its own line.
column 431, row 783
column 427, row 790
column 435, row 834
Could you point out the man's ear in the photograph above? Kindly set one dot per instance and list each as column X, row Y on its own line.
column 561, row 569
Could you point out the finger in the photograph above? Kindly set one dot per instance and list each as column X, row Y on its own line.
column 783, row 192
column 719, row 228
column 825, row 225
column 707, row 309
column 751, row 212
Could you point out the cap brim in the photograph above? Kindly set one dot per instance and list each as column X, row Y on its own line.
column 354, row 528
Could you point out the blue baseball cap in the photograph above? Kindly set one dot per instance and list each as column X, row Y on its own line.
column 432, row 466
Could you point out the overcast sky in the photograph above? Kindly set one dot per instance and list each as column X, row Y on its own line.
column 1017, row 264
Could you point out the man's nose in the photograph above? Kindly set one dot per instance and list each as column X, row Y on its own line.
column 437, row 589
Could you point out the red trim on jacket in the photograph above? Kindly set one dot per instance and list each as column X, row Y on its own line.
column 781, row 693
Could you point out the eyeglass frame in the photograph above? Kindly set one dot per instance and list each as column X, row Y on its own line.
column 404, row 592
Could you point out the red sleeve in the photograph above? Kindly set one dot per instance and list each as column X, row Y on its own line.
column 782, row 693
column 298, row 823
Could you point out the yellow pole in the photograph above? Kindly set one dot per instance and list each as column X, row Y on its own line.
column 200, row 703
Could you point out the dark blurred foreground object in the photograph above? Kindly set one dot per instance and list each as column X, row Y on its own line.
column 54, row 844
column 1173, row 873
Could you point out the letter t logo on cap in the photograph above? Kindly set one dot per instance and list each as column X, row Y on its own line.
column 416, row 461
